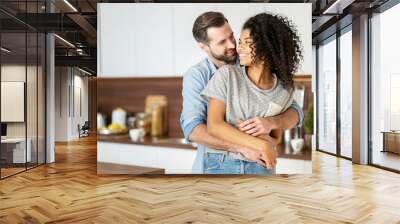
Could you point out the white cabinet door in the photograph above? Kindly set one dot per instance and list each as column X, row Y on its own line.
column 186, row 51
column 147, row 39
column 126, row 154
column 173, row 160
column 153, row 39
column 116, row 40
column 293, row 166
column 176, row 161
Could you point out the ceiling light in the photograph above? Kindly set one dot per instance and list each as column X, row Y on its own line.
column 65, row 41
column 5, row 50
column 70, row 5
column 337, row 7
column 86, row 72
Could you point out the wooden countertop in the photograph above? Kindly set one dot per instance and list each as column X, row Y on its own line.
column 111, row 168
column 150, row 141
column 284, row 151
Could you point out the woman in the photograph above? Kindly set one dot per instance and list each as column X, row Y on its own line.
column 269, row 53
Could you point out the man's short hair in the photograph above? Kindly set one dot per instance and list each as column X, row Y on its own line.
column 205, row 21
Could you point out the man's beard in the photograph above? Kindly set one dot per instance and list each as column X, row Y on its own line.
column 224, row 58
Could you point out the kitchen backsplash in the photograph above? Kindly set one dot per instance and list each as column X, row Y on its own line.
column 130, row 94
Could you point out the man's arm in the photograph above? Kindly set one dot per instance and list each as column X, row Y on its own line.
column 194, row 113
column 287, row 120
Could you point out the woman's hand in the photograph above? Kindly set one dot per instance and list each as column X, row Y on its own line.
column 257, row 126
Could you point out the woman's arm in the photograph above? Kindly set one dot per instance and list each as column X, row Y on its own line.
column 217, row 127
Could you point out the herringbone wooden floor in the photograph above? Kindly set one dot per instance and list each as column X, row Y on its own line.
column 69, row 191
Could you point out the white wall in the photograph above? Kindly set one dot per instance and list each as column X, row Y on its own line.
column 61, row 103
column 33, row 126
column 16, row 73
column 70, row 83
column 149, row 39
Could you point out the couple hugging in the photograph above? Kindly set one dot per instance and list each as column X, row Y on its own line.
column 239, row 99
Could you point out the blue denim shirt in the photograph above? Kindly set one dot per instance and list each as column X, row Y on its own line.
column 194, row 107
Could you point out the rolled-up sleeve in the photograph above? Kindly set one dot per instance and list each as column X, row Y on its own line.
column 194, row 107
column 299, row 111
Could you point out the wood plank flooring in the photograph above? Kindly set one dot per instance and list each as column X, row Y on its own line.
column 69, row 191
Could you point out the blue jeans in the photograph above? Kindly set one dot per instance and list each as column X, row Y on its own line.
column 223, row 163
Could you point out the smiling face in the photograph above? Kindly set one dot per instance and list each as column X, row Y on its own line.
column 246, row 49
column 221, row 44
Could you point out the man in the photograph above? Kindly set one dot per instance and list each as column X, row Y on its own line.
column 215, row 37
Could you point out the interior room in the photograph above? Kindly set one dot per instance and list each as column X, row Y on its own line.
column 160, row 75
column 92, row 97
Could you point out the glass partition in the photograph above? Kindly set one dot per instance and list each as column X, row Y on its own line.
column 327, row 96
column 13, row 109
column 22, row 77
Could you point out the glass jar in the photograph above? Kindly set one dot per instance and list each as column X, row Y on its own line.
column 143, row 121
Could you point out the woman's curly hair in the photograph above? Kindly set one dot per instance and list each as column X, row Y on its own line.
column 276, row 41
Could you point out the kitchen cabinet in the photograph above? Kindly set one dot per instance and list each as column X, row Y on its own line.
column 134, row 44
column 293, row 166
column 153, row 44
column 116, row 38
column 173, row 160
column 153, row 40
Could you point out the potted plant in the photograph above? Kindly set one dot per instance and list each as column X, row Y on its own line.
column 309, row 125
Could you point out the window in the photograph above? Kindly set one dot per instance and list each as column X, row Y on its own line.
column 327, row 96
column 346, row 93
column 385, row 88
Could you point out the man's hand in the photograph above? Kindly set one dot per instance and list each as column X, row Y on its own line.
column 257, row 126
column 269, row 156
column 251, row 154
column 266, row 158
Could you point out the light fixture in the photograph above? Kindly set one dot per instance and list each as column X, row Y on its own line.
column 5, row 50
column 65, row 41
column 84, row 71
column 70, row 5
column 337, row 7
